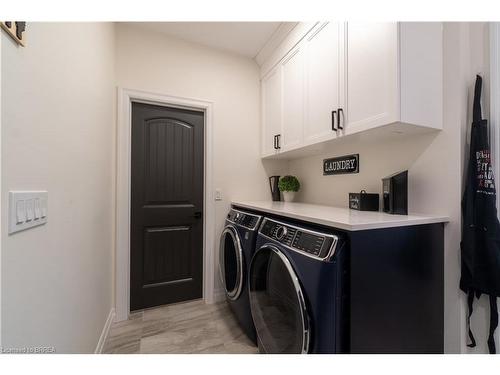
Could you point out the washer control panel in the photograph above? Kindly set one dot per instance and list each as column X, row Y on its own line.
column 313, row 243
column 244, row 219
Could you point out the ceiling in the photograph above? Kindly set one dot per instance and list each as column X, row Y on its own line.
column 243, row 38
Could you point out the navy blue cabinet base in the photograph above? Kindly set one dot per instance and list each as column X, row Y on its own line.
column 397, row 290
column 383, row 287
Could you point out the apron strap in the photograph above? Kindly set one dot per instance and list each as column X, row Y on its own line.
column 476, row 110
column 470, row 302
column 493, row 323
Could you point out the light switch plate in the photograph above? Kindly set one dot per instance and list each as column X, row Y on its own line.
column 27, row 209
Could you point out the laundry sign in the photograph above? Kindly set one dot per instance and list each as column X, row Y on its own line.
column 341, row 165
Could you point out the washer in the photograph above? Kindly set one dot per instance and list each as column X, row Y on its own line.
column 237, row 245
column 297, row 281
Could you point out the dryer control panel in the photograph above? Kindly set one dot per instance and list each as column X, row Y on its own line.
column 311, row 243
column 244, row 219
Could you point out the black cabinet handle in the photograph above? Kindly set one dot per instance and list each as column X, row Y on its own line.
column 274, row 142
column 340, row 111
column 197, row 215
column 278, row 138
column 333, row 121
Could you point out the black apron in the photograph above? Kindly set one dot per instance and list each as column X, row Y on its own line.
column 480, row 246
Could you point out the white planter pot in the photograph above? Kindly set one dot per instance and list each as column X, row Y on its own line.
column 288, row 196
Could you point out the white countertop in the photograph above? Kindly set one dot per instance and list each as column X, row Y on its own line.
column 337, row 217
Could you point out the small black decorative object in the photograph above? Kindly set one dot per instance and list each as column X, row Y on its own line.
column 364, row 201
column 341, row 165
column 395, row 193
column 275, row 191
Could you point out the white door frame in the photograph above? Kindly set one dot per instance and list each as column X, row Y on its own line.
column 122, row 270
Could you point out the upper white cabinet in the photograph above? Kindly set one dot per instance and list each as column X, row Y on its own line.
column 323, row 80
column 293, row 99
column 421, row 68
column 271, row 111
column 372, row 76
column 339, row 79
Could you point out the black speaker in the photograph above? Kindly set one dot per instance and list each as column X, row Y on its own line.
column 395, row 193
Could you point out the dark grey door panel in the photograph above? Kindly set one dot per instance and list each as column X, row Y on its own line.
column 166, row 254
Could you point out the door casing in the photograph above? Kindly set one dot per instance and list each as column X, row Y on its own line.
column 123, row 188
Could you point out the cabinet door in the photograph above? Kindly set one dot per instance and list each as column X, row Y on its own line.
column 293, row 99
column 271, row 111
column 324, row 81
column 372, row 75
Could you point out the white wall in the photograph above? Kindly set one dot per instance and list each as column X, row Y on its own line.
column 57, row 135
column 435, row 164
column 154, row 62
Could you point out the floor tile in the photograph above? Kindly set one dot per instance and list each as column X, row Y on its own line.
column 190, row 327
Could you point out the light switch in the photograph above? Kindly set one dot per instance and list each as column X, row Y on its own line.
column 218, row 194
column 20, row 212
column 43, row 207
column 27, row 209
column 37, row 209
column 30, row 214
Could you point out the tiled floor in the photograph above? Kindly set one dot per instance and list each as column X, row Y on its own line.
column 191, row 327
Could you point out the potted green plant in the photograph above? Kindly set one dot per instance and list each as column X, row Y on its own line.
column 288, row 185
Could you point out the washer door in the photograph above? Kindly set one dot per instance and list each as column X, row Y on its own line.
column 277, row 303
column 231, row 262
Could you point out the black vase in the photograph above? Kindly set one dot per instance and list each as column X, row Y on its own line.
column 275, row 191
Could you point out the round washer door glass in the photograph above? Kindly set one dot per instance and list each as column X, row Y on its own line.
column 231, row 262
column 277, row 303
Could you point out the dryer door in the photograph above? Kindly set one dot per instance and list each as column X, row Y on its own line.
column 231, row 262
column 277, row 303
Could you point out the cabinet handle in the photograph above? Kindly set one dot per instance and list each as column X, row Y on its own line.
column 278, row 138
column 275, row 143
column 333, row 121
column 340, row 111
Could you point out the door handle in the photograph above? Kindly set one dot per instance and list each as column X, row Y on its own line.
column 333, row 121
column 278, row 138
column 197, row 215
column 340, row 111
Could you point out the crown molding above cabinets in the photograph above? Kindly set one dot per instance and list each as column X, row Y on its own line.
column 271, row 46
column 329, row 81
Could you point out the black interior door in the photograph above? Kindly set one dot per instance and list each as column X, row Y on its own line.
column 166, row 244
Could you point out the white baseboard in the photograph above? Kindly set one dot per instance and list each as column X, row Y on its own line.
column 105, row 331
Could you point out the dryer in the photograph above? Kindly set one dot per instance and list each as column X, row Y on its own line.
column 298, row 289
column 237, row 245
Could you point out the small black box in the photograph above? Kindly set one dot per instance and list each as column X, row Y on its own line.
column 395, row 193
column 363, row 201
